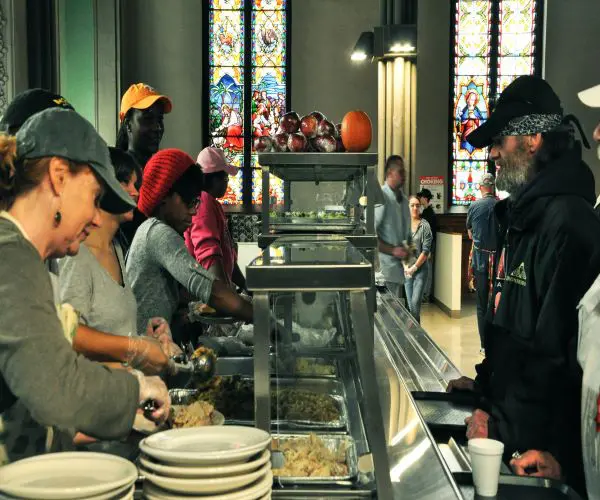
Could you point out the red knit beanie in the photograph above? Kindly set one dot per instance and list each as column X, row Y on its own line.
column 160, row 173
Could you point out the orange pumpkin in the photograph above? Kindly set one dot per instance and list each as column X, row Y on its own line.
column 356, row 131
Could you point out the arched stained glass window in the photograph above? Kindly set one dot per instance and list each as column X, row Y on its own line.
column 248, row 90
column 495, row 41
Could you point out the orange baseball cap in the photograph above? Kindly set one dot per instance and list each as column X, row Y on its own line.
column 142, row 96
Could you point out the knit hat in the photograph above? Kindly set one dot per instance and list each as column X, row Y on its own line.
column 160, row 173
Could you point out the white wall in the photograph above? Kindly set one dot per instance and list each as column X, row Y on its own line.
column 324, row 33
column 161, row 44
column 448, row 275
column 573, row 61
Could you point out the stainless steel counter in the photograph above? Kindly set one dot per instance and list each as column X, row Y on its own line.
column 424, row 367
column 417, row 468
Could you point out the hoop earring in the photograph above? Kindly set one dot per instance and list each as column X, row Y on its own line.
column 57, row 218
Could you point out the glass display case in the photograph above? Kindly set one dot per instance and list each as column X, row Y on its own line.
column 314, row 371
column 353, row 215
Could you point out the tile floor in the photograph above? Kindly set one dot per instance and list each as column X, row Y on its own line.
column 458, row 338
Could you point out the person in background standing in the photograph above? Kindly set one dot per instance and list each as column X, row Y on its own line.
column 416, row 274
column 142, row 128
column 481, row 225
column 425, row 196
column 392, row 224
column 208, row 238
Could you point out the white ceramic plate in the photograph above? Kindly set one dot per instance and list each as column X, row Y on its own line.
column 206, row 486
column 64, row 476
column 118, row 494
column 206, row 445
column 144, row 426
column 259, row 489
column 199, row 472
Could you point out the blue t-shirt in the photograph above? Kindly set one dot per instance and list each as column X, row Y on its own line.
column 482, row 223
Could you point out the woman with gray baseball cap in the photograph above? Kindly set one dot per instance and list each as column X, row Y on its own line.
column 54, row 176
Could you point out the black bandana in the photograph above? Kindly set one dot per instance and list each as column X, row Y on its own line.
column 532, row 124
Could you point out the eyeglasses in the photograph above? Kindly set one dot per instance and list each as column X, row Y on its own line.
column 195, row 203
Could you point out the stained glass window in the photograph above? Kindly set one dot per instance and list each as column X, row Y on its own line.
column 494, row 43
column 238, row 78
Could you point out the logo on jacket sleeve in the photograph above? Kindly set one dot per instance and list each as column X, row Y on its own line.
column 518, row 276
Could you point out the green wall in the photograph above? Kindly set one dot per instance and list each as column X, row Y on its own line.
column 77, row 55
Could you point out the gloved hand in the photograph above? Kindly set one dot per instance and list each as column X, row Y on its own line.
column 158, row 328
column 146, row 354
column 154, row 389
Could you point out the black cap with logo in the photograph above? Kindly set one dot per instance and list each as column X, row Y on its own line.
column 29, row 103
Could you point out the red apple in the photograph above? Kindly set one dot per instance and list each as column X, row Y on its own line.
column 326, row 144
column 290, row 122
column 318, row 115
column 280, row 142
column 308, row 126
column 297, row 143
column 263, row 144
column 312, row 145
column 326, row 128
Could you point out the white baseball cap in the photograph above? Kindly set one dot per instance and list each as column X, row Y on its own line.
column 591, row 97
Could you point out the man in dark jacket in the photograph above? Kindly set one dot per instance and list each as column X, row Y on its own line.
column 548, row 254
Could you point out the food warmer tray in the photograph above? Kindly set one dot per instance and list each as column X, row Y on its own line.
column 327, row 386
column 511, row 487
column 332, row 442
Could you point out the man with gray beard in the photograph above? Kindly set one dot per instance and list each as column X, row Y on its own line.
column 548, row 254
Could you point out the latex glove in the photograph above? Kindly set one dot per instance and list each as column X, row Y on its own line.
column 461, row 384
column 477, row 425
column 153, row 388
column 543, row 463
column 146, row 354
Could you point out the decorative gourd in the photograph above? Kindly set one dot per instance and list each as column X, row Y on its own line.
column 356, row 131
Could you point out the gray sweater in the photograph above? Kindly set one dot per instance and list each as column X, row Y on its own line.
column 39, row 367
column 102, row 303
column 157, row 263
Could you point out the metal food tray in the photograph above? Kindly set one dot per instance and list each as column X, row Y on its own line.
column 328, row 386
column 333, row 442
column 294, row 372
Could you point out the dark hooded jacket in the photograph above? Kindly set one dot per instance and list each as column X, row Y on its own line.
column 548, row 256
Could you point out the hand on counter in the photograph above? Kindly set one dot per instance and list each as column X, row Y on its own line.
column 477, row 425
column 461, row 384
column 540, row 463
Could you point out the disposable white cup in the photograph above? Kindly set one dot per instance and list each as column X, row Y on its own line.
column 486, row 458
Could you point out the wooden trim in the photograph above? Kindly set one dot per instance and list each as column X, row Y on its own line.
column 452, row 313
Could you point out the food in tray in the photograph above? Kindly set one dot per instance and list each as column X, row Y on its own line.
column 310, row 457
column 234, row 397
column 307, row 366
column 197, row 414
column 334, row 215
column 300, row 404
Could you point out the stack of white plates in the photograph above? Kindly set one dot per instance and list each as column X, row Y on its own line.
column 207, row 463
column 69, row 476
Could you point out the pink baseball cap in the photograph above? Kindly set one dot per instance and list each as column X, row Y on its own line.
column 213, row 160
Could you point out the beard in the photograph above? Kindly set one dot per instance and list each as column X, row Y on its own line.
column 515, row 170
